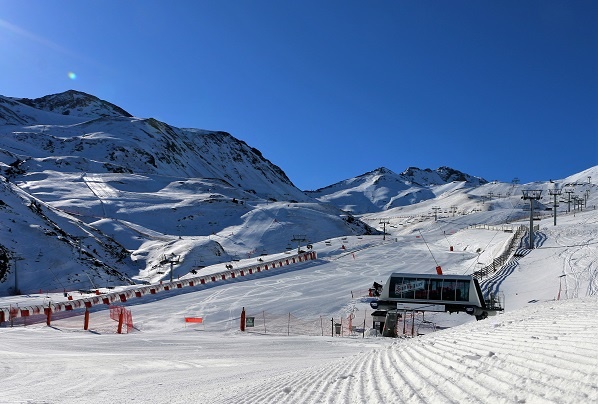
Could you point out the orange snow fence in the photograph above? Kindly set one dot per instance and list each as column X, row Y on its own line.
column 197, row 320
column 123, row 316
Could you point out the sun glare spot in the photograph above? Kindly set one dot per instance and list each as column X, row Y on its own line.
column 72, row 75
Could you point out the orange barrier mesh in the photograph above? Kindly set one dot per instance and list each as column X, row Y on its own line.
column 115, row 312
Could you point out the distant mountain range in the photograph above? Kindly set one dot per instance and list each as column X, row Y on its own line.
column 94, row 195
column 382, row 189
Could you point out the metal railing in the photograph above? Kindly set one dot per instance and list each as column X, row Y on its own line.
column 498, row 262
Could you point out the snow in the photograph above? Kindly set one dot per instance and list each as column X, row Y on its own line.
column 539, row 350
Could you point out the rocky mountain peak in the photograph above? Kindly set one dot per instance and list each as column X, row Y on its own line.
column 450, row 174
column 439, row 176
column 75, row 103
column 382, row 170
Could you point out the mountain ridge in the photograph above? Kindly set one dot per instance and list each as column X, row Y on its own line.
column 382, row 189
column 118, row 142
column 76, row 103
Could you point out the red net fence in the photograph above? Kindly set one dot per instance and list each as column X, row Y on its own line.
column 99, row 321
column 124, row 318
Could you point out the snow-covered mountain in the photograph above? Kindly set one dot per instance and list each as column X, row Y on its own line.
column 102, row 138
column 92, row 195
column 382, row 189
column 145, row 185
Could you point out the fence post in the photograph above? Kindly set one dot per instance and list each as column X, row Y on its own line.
column 264, row 316
column 289, row 325
column 243, row 319
column 49, row 315
column 86, row 319
column 120, row 321
column 350, row 320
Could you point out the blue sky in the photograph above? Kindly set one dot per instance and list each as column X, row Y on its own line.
column 329, row 90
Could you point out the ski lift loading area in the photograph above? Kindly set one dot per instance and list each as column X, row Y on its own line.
column 433, row 293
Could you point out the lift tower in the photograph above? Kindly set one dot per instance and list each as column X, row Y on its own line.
column 555, row 192
column 569, row 192
column 531, row 195
column 384, row 222
column 300, row 238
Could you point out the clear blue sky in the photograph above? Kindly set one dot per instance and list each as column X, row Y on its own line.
column 328, row 90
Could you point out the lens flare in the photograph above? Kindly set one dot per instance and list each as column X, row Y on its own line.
column 72, row 75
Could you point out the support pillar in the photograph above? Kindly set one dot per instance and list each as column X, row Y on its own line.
column 86, row 319
column 243, row 319
column 531, row 224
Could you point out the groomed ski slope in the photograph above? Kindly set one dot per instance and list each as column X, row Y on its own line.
column 541, row 354
column 539, row 351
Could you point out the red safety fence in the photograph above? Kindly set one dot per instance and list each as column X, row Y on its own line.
column 46, row 312
column 8, row 313
column 123, row 316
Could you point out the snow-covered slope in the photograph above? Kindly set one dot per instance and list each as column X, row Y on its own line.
column 542, row 349
column 52, row 250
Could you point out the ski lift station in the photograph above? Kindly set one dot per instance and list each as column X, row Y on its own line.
column 424, row 292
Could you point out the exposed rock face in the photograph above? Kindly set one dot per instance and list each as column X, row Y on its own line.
column 75, row 103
